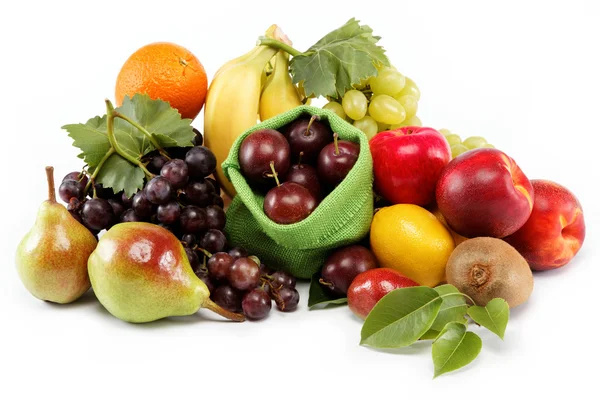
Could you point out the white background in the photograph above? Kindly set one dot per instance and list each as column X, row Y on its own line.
column 522, row 74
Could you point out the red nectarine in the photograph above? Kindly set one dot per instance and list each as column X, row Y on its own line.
column 554, row 232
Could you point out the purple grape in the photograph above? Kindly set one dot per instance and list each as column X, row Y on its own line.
column 156, row 164
column 219, row 265
column 168, row 213
column 237, row 252
column 200, row 193
column 215, row 217
column 176, row 172
column 193, row 219
column 130, row 216
column 158, row 190
column 188, row 240
column 256, row 304
column 118, row 208
column 141, row 205
column 287, row 299
column 192, row 257
column 228, row 298
column 127, row 201
column 213, row 241
column 280, row 279
column 69, row 189
column 97, row 214
column 201, row 162
column 218, row 201
column 244, row 274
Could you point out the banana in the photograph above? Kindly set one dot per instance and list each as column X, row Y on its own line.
column 279, row 94
column 232, row 104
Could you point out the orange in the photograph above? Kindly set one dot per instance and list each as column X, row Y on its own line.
column 164, row 71
column 411, row 240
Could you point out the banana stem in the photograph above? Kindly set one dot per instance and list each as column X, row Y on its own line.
column 51, row 188
column 144, row 131
column 276, row 44
column 212, row 306
column 110, row 119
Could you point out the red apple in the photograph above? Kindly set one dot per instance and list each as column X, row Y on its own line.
column 407, row 163
column 370, row 286
column 554, row 232
column 483, row 192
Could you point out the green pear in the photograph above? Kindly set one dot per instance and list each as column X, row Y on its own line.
column 52, row 257
column 140, row 273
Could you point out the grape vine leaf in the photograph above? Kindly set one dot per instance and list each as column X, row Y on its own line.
column 342, row 58
column 401, row 317
column 319, row 296
column 156, row 116
column 494, row 316
column 454, row 348
column 453, row 308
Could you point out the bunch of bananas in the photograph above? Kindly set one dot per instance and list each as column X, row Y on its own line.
column 254, row 85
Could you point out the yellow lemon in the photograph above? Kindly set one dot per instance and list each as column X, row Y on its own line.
column 411, row 240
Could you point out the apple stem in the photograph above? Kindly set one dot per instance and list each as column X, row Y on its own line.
column 51, row 188
column 335, row 143
column 312, row 119
column 274, row 174
column 214, row 307
column 323, row 282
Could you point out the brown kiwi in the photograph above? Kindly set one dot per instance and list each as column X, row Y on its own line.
column 484, row 268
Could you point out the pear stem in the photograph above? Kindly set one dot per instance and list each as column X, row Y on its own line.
column 51, row 188
column 214, row 307
column 335, row 143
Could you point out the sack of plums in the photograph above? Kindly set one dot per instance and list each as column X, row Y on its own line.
column 342, row 216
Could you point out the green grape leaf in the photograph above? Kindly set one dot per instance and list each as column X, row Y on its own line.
column 163, row 123
column 119, row 174
column 319, row 296
column 342, row 58
column 401, row 317
column 454, row 348
column 494, row 316
column 453, row 309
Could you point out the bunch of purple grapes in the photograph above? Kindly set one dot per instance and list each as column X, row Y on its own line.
column 181, row 197
column 241, row 283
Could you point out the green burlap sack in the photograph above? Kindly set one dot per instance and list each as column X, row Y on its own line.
column 342, row 218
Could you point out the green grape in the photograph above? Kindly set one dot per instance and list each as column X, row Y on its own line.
column 445, row 132
column 458, row 149
column 474, row 142
column 411, row 89
column 355, row 104
column 488, row 146
column 388, row 81
column 382, row 127
column 368, row 125
column 336, row 108
column 413, row 121
column 453, row 139
column 386, row 109
column 409, row 103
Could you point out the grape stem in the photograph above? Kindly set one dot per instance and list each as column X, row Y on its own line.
column 274, row 174
column 212, row 306
column 335, row 143
column 204, row 251
column 109, row 153
column 51, row 188
column 110, row 119
column 145, row 132
column 276, row 44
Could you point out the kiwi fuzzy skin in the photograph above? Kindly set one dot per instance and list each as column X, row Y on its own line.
column 485, row 268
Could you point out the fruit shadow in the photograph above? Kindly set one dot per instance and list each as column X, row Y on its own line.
column 85, row 300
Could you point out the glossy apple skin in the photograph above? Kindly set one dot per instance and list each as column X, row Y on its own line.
column 370, row 286
column 483, row 192
column 344, row 265
column 289, row 203
column 307, row 176
column 554, row 232
column 407, row 163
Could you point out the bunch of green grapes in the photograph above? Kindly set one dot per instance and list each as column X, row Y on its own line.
column 459, row 146
column 386, row 101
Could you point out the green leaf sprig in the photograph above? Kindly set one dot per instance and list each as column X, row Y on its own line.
column 337, row 62
column 319, row 296
column 407, row 315
column 113, row 145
